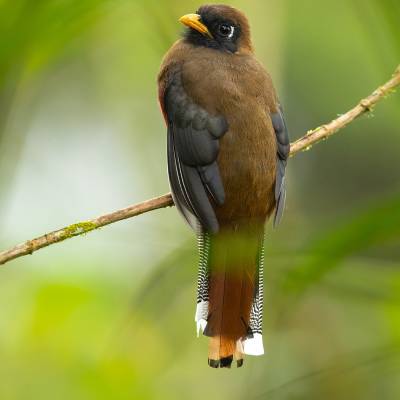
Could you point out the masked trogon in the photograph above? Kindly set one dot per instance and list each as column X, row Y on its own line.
column 227, row 153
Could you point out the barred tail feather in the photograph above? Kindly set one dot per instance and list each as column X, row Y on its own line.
column 253, row 344
column 203, row 241
column 230, row 295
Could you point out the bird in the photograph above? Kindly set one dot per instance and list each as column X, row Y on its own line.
column 227, row 152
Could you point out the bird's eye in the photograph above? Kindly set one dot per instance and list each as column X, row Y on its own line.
column 226, row 30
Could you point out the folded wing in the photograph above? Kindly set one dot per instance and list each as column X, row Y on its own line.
column 283, row 150
column 193, row 147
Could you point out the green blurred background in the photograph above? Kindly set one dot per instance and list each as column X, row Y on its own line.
column 110, row 315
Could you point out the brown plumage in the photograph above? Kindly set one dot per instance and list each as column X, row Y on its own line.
column 210, row 74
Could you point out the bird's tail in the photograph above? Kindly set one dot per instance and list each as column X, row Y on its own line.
column 229, row 304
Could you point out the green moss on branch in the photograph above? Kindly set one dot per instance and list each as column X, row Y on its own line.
column 78, row 229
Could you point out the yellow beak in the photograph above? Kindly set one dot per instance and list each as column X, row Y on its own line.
column 193, row 21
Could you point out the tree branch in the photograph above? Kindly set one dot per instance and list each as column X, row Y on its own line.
column 304, row 143
column 365, row 105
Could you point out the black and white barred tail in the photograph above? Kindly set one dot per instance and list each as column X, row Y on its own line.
column 251, row 343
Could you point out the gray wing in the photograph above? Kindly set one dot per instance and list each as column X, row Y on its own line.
column 193, row 147
column 283, row 148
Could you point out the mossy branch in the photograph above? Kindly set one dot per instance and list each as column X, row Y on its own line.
column 304, row 143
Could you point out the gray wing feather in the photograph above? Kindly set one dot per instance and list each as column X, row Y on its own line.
column 283, row 150
column 193, row 147
column 180, row 196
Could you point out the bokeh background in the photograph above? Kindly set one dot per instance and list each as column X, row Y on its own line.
column 110, row 315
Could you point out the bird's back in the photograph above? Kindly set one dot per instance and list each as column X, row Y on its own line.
column 242, row 91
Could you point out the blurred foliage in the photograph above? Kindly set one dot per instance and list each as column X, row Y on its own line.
column 110, row 315
column 373, row 227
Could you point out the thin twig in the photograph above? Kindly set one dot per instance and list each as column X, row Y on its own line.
column 304, row 143
column 365, row 105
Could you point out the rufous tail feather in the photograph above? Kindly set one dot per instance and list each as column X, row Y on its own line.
column 232, row 268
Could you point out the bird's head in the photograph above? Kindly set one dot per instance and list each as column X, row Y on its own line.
column 218, row 27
